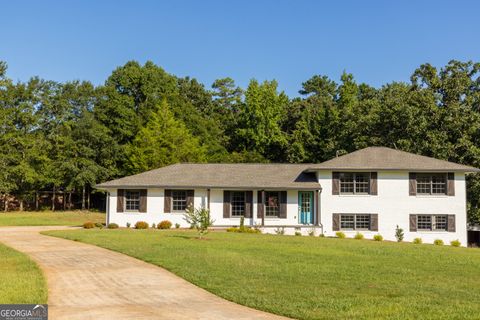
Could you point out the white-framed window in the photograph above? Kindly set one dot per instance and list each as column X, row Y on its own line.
column 272, row 203
column 179, row 200
column 437, row 222
column 355, row 222
column 132, row 200
column 237, row 202
column 354, row 182
column 431, row 183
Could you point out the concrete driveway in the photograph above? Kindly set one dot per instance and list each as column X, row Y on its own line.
column 88, row 282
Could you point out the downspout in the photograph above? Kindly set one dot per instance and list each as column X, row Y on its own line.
column 319, row 204
column 107, row 208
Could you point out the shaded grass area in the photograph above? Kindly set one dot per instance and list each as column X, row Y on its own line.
column 311, row 278
column 50, row 218
column 21, row 281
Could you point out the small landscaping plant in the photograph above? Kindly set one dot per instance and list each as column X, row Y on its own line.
column 199, row 219
column 455, row 243
column 311, row 232
column 298, row 233
column 358, row 236
column 438, row 242
column 177, row 225
column 417, row 241
column 378, row 237
column 244, row 230
column 399, row 234
column 280, row 231
column 340, row 234
column 154, row 225
column 141, row 225
column 99, row 225
column 88, row 225
column 242, row 223
column 165, row 224
column 112, row 226
column 128, row 224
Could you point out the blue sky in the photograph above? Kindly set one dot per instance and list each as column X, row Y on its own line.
column 377, row 41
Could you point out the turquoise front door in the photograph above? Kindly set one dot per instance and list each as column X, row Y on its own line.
column 305, row 207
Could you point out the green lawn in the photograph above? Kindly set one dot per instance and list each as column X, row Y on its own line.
column 21, row 281
column 49, row 218
column 312, row 278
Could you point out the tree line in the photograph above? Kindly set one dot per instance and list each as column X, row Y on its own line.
column 70, row 136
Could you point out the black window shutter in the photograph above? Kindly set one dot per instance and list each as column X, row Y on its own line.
column 374, row 222
column 451, row 184
column 336, row 222
column 260, row 205
column 167, row 203
column 335, row 183
column 413, row 223
column 451, row 223
column 143, row 201
column 283, row 205
column 226, row 204
column 248, row 204
column 373, row 184
column 120, row 199
column 190, row 196
column 412, row 184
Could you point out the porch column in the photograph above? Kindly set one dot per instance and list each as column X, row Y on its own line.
column 208, row 199
column 263, row 211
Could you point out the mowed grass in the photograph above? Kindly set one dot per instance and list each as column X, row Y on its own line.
column 49, row 218
column 21, row 281
column 311, row 278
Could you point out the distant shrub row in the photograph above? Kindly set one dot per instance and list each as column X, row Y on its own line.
column 378, row 237
column 165, row 224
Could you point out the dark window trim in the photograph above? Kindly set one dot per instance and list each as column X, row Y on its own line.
column 433, row 223
column 431, row 174
column 173, row 200
column 355, row 221
column 126, row 192
column 244, row 203
column 354, row 183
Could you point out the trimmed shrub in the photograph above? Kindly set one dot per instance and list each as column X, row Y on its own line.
column 141, row 225
column 128, row 224
column 417, row 241
column 399, row 234
column 232, row 229
column 378, row 237
column 358, row 236
column 177, row 225
column 438, row 242
column 154, row 225
column 88, row 225
column 280, row 231
column 165, row 224
column 244, row 230
column 340, row 234
column 311, row 232
column 99, row 225
column 455, row 243
column 298, row 233
column 112, row 226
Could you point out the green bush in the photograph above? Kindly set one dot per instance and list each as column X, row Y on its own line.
column 378, row 237
column 232, row 229
column 99, row 225
column 128, row 224
column 438, row 242
column 358, row 236
column 455, row 243
column 244, row 230
column 165, row 224
column 88, row 225
column 417, row 241
column 340, row 235
column 298, row 233
column 141, row 225
column 154, row 225
column 112, row 226
column 177, row 225
column 399, row 234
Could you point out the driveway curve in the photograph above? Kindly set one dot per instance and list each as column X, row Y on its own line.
column 89, row 282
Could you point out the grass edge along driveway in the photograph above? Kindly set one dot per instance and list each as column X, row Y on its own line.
column 311, row 278
column 21, row 280
column 49, row 218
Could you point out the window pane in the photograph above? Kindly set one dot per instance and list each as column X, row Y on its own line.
column 179, row 200
column 424, row 222
column 272, row 204
column 238, row 203
column 439, row 184
column 423, row 184
column 347, row 221
column 362, row 183
column 441, row 222
column 362, row 221
column 132, row 200
column 346, row 182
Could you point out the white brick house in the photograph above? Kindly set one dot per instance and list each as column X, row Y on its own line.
column 369, row 191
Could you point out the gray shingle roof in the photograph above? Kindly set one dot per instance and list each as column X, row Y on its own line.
column 216, row 175
column 382, row 158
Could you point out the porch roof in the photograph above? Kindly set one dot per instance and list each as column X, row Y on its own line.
column 222, row 175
